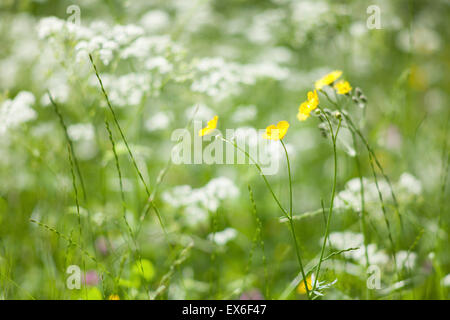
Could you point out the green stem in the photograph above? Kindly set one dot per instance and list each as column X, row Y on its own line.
column 297, row 251
column 363, row 212
column 261, row 172
column 290, row 178
column 122, row 135
column 363, row 206
column 330, row 212
column 287, row 215
column 353, row 127
column 291, row 223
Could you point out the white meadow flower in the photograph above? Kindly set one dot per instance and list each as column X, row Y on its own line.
column 406, row 259
column 158, row 121
column 244, row 113
column 199, row 111
column 207, row 197
column 16, row 111
column 160, row 64
column 410, row 184
column 446, row 281
column 81, row 131
column 155, row 20
column 221, row 238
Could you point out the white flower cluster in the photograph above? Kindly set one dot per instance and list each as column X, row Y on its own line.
column 446, row 281
column 198, row 201
column 152, row 55
column 244, row 113
column 84, row 136
column 16, row 111
column 124, row 40
column 159, row 121
column 350, row 197
column 125, row 90
column 263, row 26
column 199, row 111
column 221, row 238
column 81, row 131
column 347, row 239
column 217, row 78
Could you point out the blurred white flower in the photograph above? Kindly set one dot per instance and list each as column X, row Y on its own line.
column 261, row 30
column 424, row 40
column 155, row 20
column 244, row 113
column 347, row 239
column 446, row 281
column 246, row 136
column 221, row 188
column 309, row 13
column 221, row 238
column 160, row 64
column 194, row 215
column 125, row 90
column 276, row 54
column 52, row 26
column 159, row 121
column 124, row 34
column 220, row 79
column 405, row 259
column 81, row 131
column 266, row 70
column 16, row 111
column 199, row 111
column 350, row 197
column 207, row 197
column 147, row 46
column 358, row 29
column 49, row 25
column 410, row 183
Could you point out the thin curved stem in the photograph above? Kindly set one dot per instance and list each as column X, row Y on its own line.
column 261, row 172
column 122, row 135
column 290, row 178
column 353, row 127
column 287, row 215
column 297, row 251
column 291, row 222
column 330, row 212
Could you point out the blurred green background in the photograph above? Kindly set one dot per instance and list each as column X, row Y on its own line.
column 251, row 63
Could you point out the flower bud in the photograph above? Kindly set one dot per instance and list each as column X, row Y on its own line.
column 337, row 115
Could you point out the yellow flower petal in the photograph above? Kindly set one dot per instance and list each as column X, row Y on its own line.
column 328, row 79
column 343, row 87
column 276, row 132
column 212, row 124
column 283, row 124
column 306, row 107
column 302, row 116
column 301, row 287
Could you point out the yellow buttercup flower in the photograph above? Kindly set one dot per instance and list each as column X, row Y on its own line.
column 306, row 107
column 212, row 124
column 301, row 287
column 328, row 79
column 343, row 87
column 113, row 297
column 276, row 132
